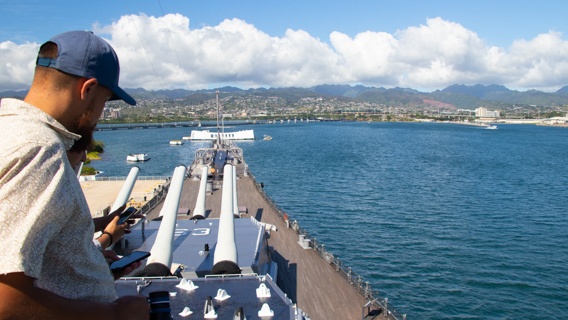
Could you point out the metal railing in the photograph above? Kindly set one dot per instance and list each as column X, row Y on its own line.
column 120, row 178
column 159, row 196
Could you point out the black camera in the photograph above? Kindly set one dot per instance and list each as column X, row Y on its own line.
column 160, row 305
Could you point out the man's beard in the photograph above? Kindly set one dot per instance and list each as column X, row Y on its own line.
column 84, row 128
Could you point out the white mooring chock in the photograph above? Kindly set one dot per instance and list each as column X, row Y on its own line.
column 186, row 312
column 262, row 291
column 265, row 311
column 222, row 295
column 186, row 284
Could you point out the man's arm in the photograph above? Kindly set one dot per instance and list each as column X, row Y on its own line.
column 20, row 299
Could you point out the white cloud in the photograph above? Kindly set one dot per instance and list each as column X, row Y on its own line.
column 17, row 65
column 368, row 58
column 165, row 53
column 541, row 62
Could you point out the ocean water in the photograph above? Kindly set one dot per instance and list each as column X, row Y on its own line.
column 447, row 221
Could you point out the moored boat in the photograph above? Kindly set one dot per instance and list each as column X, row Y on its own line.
column 137, row 157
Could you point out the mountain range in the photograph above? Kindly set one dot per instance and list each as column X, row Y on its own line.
column 454, row 96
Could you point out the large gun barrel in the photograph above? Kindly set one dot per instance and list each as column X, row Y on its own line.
column 126, row 189
column 160, row 260
column 199, row 210
column 225, row 259
column 235, row 199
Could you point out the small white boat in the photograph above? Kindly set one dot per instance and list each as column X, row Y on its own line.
column 176, row 142
column 491, row 127
column 137, row 157
column 267, row 137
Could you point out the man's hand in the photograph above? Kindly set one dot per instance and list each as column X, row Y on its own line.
column 111, row 256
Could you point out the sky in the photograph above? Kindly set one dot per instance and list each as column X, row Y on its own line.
column 197, row 44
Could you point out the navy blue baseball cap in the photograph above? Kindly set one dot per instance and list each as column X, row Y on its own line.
column 83, row 54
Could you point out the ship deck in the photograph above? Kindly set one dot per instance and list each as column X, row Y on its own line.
column 306, row 278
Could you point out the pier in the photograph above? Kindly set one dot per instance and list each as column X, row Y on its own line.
column 101, row 193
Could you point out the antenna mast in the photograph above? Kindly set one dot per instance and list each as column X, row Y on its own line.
column 218, row 132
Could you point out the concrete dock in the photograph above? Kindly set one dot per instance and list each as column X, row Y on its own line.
column 101, row 194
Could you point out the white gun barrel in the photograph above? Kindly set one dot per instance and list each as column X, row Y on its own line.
column 126, row 189
column 162, row 251
column 225, row 259
column 199, row 210
column 235, row 201
column 78, row 170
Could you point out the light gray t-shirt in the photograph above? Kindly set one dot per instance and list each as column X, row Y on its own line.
column 46, row 230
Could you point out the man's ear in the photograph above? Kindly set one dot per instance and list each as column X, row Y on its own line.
column 87, row 87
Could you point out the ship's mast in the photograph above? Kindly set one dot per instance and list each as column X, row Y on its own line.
column 218, row 131
column 222, row 121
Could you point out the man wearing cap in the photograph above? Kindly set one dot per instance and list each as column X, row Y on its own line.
column 49, row 267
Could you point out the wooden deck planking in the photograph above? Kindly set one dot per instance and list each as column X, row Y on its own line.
column 317, row 288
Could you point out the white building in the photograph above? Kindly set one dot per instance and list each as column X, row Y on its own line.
column 111, row 113
column 484, row 113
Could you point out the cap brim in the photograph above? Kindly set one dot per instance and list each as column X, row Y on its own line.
column 120, row 94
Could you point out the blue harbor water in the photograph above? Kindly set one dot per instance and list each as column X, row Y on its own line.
column 447, row 221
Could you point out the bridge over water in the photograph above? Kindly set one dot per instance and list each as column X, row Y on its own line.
column 136, row 126
column 205, row 124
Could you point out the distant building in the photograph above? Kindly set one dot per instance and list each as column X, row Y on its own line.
column 484, row 113
column 111, row 113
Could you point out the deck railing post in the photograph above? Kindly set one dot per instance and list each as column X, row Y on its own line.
column 143, row 222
